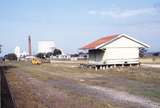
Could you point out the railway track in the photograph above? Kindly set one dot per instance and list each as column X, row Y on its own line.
column 7, row 100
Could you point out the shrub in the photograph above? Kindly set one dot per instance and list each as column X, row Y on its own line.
column 10, row 56
column 142, row 52
column 41, row 55
column 49, row 54
column 57, row 52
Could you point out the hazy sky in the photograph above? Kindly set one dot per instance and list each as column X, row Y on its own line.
column 73, row 23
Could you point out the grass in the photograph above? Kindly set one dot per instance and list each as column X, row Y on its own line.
column 146, row 75
column 152, row 94
column 23, row 95
column 151, row 60
column 27, row 98
column 139, row 81
column 88, row 102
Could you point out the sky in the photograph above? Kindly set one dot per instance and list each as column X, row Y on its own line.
column 73, row 23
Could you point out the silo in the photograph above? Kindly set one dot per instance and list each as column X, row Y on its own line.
column 17, row 51
column 46, row 46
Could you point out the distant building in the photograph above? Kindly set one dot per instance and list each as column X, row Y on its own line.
column 114, row 49
column 46, row 46
column 24, row 54
column 17, row 51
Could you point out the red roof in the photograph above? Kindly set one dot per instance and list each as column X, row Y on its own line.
column 98, row 42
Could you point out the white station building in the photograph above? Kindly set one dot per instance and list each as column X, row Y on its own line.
column 46, row 46
column 114, row 49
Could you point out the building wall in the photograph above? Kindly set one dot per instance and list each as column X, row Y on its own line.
column 120, row 51
column 121, row 55
column 115, row 56
column 122, row 42
column 45, row 46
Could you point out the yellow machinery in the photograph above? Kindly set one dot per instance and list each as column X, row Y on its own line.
column 36, row 61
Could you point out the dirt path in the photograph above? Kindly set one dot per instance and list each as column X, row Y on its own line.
column 104, row 93
column 49, row 95
column 124, row 97
column 151, row 65
column 54, row 89
column 120, row 98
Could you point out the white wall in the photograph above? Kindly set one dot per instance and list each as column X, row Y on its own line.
column 120, row 51
column 121, row 55
column 17, row 51
column 45, row 46
column 122, row 42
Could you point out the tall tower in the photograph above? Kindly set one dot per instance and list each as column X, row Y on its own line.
column 29, row 45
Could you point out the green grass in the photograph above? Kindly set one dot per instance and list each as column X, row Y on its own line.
column 152, row 93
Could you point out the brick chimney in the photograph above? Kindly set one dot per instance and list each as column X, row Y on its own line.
column 29, row 46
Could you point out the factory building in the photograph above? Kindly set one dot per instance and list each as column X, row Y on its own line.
column 46, row 46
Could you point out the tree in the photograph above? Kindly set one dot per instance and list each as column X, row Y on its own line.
column 10, row 56
column 41, row 55
column 142, row 52
column 57, row 52
column 74, row 55
column 49, row 54
column 156, row 54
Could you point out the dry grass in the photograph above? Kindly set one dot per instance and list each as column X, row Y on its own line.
column 25, row 98
column 139, row 81
column 151, row 60
column 30, row 94
column 146, row 75
column 23, row 95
